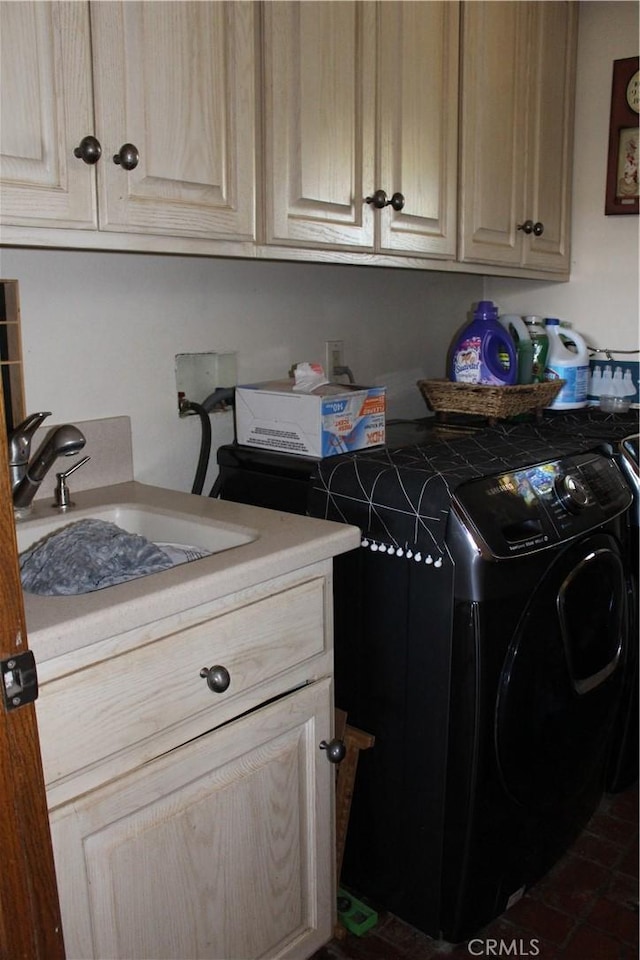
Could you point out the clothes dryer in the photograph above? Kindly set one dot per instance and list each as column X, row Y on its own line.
column 623, row 764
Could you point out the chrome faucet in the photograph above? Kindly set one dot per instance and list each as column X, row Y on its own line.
column 20, row 446
column 27, row 476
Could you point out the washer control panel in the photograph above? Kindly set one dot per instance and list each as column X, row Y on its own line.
column 534, row 507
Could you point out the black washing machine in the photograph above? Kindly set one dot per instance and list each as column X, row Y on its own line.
column 617, row 437
column 539, row 642
column 491, row 686
column 489, row 672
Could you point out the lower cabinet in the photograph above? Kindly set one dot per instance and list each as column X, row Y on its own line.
column 221, row 848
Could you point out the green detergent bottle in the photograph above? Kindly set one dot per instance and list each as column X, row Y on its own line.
column 524, row 347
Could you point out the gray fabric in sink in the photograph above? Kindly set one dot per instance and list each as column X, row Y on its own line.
column 88, row 555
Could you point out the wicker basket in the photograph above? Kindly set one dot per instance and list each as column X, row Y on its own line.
column 493, row 403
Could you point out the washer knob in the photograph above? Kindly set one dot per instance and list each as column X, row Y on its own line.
column 572, row 493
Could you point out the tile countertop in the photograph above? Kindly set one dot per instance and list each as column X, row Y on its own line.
column 285, row 542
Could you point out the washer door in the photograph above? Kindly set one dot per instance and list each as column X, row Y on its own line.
column 561, row 677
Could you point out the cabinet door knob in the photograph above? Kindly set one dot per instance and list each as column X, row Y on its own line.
column 538, row 229
column 526, row 227
column 336, row 750
column 379, row 200
column 218, row 678
column 89, row 150
column 127, row 156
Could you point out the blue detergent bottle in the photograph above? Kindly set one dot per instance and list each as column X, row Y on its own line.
column 484, row 352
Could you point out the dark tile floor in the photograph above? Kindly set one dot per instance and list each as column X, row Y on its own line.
column 586, row 908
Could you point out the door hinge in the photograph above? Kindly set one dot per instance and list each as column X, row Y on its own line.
column 19, row 680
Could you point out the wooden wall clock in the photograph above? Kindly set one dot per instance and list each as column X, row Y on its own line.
column 622, row 168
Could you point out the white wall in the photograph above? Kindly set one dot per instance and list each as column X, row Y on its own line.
column 101, row 330
column 601, row 300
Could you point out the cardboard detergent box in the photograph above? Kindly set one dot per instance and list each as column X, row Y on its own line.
column 334, row 418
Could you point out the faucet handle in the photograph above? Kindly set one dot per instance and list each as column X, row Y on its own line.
column 21, row 435
column 61, row 499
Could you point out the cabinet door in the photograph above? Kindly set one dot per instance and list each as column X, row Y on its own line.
column 46, row 110
column 418, row 125
column 493, row 131
column 550, row 141
column 319, row 115
column 176, row 80
column 518, row 74
column 220, row 849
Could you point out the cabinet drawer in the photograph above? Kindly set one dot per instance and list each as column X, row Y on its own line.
column 91, row 714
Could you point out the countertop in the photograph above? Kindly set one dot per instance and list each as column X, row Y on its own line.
column 285, row 542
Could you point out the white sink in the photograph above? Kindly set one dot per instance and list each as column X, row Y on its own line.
column 155, row 524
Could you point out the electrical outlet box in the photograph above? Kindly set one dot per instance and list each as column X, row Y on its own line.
column 334, row 356
column 199, row 374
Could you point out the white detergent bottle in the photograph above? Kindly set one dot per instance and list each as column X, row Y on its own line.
column 567, row 359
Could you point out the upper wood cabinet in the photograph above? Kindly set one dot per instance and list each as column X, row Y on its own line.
column 174, row 80
column 462, row 110
column 47, row 108
column 359, row 98
column 518, row 67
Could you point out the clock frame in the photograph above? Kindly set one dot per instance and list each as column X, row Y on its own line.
column 624, row 152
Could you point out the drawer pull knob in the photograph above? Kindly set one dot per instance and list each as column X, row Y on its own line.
column 218, row 678
column 336, row 750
